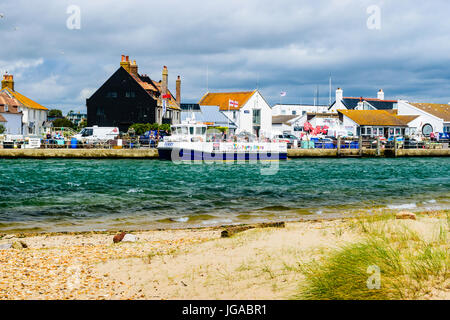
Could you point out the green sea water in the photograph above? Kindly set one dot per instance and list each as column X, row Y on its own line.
column 78, row 195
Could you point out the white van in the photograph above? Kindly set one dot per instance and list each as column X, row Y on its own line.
column 96, row 133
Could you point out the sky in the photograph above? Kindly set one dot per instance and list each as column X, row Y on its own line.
column 61, row 51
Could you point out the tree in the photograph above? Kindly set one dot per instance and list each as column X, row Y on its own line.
column 55, row 113
column 63, row 123
column 2, row 129
column 82, row 124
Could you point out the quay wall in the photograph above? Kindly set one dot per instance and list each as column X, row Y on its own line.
column 153, row 153
column 80, row 153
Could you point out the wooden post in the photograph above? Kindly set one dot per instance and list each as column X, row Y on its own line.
column 360, row 145
column 339, row 146
column 378, row 146
column 395, row 146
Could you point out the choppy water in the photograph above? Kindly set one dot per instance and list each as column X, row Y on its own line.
column 71, row 195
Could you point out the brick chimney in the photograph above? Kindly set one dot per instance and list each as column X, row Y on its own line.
column 134, row 68
column 8, row 82
column 178, row 90
column 165, row 80
column 125, row 63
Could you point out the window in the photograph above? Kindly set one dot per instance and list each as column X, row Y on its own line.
column 369, row 131
column 6, row 108
column 257, row 116
column 427, row 129
column 191, row 130
column 294, row 112
column 130, row 94
column 446, row 129
column 111, row 94
column 100, row 111
column 397, row 131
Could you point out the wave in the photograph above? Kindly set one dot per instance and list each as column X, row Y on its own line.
column 402, row 206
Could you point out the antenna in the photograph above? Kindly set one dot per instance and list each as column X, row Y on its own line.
column 329, row 99
column 207, row 84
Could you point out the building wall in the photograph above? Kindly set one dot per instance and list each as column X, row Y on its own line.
column 33, row 116
column 348, row 125
column 107, row 110
column 405, row 108
column 280, row 128
column 245, row 121
column 13, row 122
column 296, row 109
column 243, row 118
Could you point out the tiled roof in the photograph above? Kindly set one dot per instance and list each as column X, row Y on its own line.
column 2, row 119
column 153, row 87
column 439, row 110
column 222, row 99
column 27, row 102
column 351, row 103
column 8, row 99
column 377, row 118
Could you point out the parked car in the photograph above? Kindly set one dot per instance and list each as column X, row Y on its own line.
column 288, row 138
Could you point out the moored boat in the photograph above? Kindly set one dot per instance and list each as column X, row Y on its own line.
column 194, row 142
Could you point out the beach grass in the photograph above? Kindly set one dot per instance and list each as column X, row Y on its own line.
column 410, row 265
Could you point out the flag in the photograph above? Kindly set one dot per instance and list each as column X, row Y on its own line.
column 233, row 104
column 283, row 93
column 164, row 107
column 166, row 96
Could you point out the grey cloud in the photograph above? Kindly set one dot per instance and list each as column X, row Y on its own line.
column 284, row 45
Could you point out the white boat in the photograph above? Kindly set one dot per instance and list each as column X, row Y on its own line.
column 192, row 141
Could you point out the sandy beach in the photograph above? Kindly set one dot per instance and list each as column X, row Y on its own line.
column 261, row 263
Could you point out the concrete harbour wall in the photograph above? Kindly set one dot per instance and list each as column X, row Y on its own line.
column 80, row 153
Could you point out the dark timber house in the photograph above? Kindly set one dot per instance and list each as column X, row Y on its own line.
column 128, row 97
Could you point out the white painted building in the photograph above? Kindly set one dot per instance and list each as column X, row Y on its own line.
column 34, row 115
column 248, row 110
column 10, row 117
column 433, row 117
column 375, row 123
column 362, row 103
column 297, row 109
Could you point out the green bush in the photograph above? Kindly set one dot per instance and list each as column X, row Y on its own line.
column 141, row 128
column 63, row 123
column 2, row 129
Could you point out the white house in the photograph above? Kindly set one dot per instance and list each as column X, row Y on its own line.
column 373, row 123
column 361, row 103
column 10, row 116
column 248, row 110
column 432, row 117
column 297, row 109
column 34, row 114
